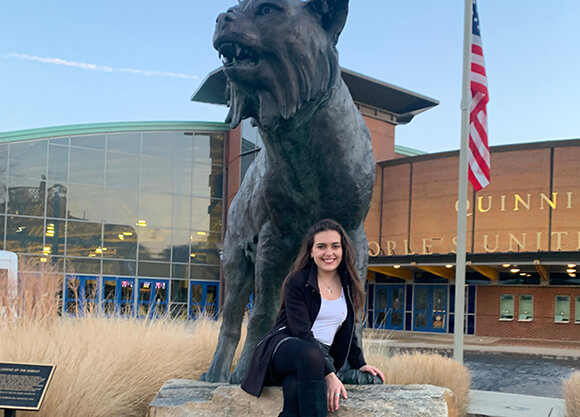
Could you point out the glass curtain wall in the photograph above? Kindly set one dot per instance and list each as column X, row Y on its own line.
column 141, row 204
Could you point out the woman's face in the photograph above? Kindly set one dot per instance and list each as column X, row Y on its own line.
column 327, row 250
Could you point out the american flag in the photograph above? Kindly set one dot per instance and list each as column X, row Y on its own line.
column 478, row 147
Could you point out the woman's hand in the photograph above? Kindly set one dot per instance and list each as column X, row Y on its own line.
column 334, row 389
column 373, row 371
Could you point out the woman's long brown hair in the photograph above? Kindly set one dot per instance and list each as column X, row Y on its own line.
column 348, row 263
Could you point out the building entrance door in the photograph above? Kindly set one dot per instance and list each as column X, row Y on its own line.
column 389, row 307
column 430, row 308
column 118, row 296
column 125, row 299
column 81, row 294
column 152, row 300
column 203, row 299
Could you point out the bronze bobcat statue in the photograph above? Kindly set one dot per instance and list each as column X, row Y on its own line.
column 281, row 63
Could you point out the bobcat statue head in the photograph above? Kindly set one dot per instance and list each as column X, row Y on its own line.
column 278, row 55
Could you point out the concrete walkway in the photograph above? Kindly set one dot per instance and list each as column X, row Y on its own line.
column 433, row 341
column 499, row 404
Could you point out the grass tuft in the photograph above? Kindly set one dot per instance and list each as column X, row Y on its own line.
column 37, row 298
column 423, row 368
column 571, row 388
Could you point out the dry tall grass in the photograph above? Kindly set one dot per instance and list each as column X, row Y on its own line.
column 571, row 388
column 109, row 366
column 423, row 368
column 105, row 366
column 39, row 286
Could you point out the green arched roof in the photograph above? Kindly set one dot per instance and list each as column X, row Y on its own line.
column 114, row 127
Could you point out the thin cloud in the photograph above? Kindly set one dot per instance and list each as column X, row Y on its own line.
column 58, row 61
column 160, row 73
column 100, row 68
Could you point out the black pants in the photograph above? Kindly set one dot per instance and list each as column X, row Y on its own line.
column 295, row 362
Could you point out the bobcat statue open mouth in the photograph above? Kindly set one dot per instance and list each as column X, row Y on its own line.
column 234, row 54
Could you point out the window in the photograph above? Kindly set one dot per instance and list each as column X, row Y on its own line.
column 577, row 315
column 526, row 308
column 24, row 235
column 28, row 160
column 506, row 306
column 88, row 141
column 123, row 171
column 84, row 240
column 156, row 174
column 85, row 202
column 26, row 196
column 179, row 291
column 124, row 142
column 154, row 245
column 58, row 163
column 87, row 166
column 562, row 311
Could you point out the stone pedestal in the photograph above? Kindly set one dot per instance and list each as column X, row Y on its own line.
column 187, row 398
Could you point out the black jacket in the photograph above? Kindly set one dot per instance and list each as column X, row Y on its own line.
column 301, row 305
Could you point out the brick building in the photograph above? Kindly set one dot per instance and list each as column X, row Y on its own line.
column 523, row 232
column 523, row 237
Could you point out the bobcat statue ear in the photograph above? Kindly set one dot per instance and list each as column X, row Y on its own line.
column 331, row 14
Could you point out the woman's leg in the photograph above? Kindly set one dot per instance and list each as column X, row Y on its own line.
column 300, row 365
column 290, row 391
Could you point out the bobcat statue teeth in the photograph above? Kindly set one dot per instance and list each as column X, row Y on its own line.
column 282, row 70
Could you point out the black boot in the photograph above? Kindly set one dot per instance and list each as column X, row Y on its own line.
column 312, row 399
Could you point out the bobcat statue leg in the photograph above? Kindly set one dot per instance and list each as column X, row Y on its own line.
column 361, row 245
column 238, row 287
column 274, row 254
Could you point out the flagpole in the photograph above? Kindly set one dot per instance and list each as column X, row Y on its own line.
column 462, row 190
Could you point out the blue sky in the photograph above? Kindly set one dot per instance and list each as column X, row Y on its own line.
column 66, row 62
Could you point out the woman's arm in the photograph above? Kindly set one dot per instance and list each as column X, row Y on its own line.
column 297, row 312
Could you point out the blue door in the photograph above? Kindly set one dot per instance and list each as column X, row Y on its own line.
column 109, row 295
column 389, row 307
column 81, row 294
column 430, row 308
column 203, row 299
column 152, row 301
column 118, row 296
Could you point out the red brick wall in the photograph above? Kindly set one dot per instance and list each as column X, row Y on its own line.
column 541, row 327
column 233, row 164
column 382, row 137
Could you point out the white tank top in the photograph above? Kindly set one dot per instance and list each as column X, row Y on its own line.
column 331, row 315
